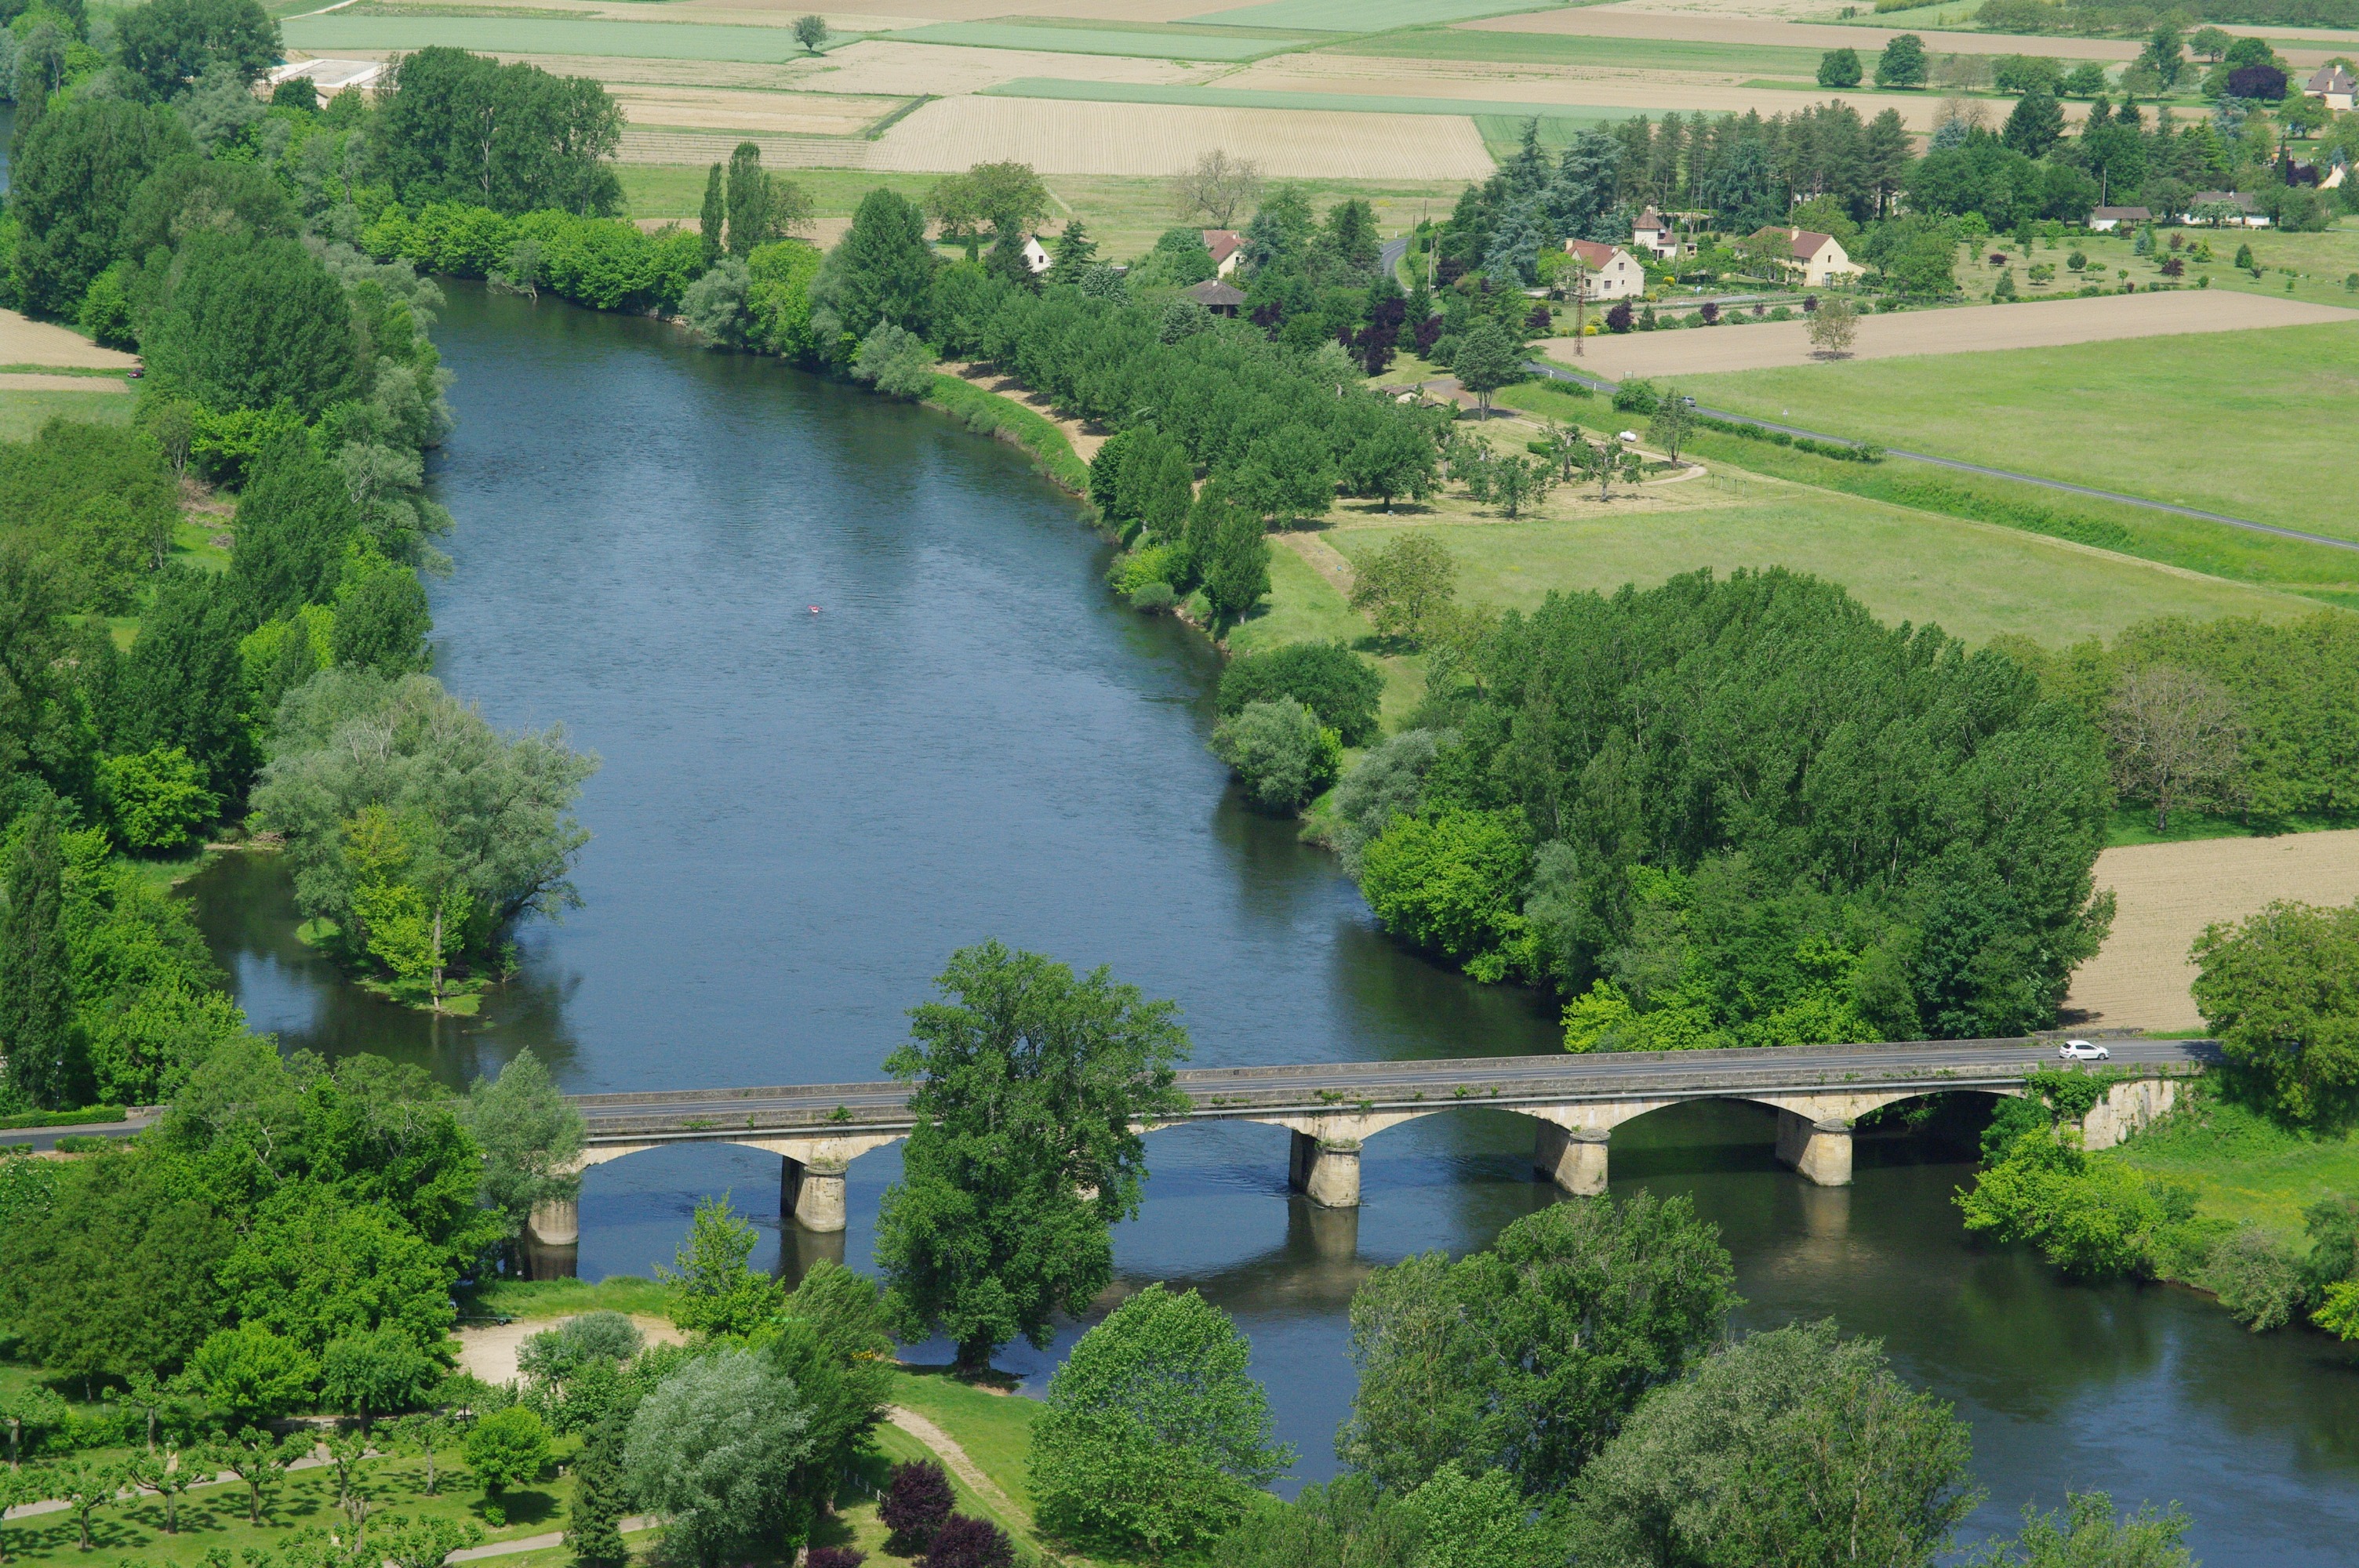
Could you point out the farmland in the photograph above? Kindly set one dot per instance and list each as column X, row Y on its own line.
column 2224, row 421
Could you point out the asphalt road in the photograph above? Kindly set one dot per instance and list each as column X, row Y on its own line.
column 1389, row 258
column 1557, row 372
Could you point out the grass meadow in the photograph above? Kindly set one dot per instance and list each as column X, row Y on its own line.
column 1284, row 98
column 544, row 36
column 1239, row 45
column 24, row 411
column 1560, row 49
column 2243, row 423
column 1365, row 16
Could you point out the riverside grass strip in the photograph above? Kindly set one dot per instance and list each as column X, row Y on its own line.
column 1225, row 45
column 1003, row 418
column 1256, row 98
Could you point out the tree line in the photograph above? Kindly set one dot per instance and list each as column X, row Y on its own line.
column 180, row 215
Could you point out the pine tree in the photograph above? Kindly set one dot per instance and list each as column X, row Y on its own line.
column 716, row 214
column 596, row 1536
column 1075, row 250
column 45, row 1063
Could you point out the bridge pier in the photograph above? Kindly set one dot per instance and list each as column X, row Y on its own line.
column 812, row 1193
column 557, row 1223
column 1819, row 1150
column 1325, row 1169
column 1574, row 1157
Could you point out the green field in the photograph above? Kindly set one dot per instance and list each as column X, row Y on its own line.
column 24, row 412
column 2242, row 423
column 1558, row 49
column 1152, row 44
column 1366, row 16
column 2246, row 1168
column 1255, row 98
column 501, row 34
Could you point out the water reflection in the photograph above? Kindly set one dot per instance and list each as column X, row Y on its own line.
column 800, row 815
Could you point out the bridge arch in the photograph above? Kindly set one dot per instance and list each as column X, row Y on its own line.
column 810, row 1176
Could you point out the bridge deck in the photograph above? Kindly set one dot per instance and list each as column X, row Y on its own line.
column 1237, row 1093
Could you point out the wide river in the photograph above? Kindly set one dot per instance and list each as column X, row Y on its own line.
column 862, row 699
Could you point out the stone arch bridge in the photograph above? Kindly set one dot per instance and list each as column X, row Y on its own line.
column 1334, row 1109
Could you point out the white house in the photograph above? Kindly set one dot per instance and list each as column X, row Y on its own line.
column 2105, row 219
column 2335, row 85
column 1036, row 258
column 1819, row 258
column 1227, row 246
column 2228, row 209
column 1653, row 234
column 1614, row 272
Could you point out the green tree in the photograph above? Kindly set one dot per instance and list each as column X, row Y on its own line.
column 508, row 1448
column 1452, row 883
column 376, row 1371
column 593, row 1527
column 1029, row 1088
column 829, row 1339
column 1487, row 358
column 295, row 521
column 252, row 1374
column 1902, row 63
column 715, row 1293
column 2093, row 1218
column 531, row 1139
column 257, row 1459
column 1531, row 1357
column 2165, row 52
column 1790, row 1447
column 1393, row 459
column 1482, row 1520
column 426, row 1542
column 710, row 1450
column 1345, row 1524
column 1154, row 1436
column 1336, row 684
column 75, row 169
column 713, row 223
column 1162, row 489
column 166, row 44
column 1672, row 423
column 1839, row 68
column 1074, row 251
column 2281, row 991
column 2037, row 122
column 1290, row 472
column 810, row 32
column 82, row 1484
column 882, row 270
column 247, row 323
column 155, row 797
column 453, row 126
column 750, row 219
column 1405, row 585
column 1237, row 576
column 48, row 1064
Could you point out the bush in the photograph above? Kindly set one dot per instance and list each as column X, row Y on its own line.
column 1343, row 688
column 834, row 1557
column 1280, row 751
column 507, row 1448
column 1636, row 396
column 2256, row 1278
column 1154, row 598
column 916, row 1502
column 896, row 360
column 1163, row 563
column 2093, row 1218
column 964, row 1542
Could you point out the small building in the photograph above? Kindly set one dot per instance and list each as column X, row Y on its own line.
column 328, row 77
column 1614, row 272
column 1220, row 298
column 1226, row 246
column 2224, row 209
column 2335, row 85
column 1818, row 259
column 2105, row 219
column 1036, row 257
column 1652, row 234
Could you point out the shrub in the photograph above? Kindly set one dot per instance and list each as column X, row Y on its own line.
column 917, row 1501
column 2093, row 1218
column 1279, row 750
column 964, row 1542
column 507, row 1448
column 896, row 360
column 1154, row 598
column 1634, row 397
column 1148, row 564
column 834, row 1557
column 2256, row 1278
column 1343, row 688
column 559, row 1352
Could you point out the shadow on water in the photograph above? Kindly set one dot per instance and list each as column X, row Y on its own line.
column 800, row 814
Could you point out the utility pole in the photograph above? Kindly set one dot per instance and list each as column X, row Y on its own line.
column 1580, row 304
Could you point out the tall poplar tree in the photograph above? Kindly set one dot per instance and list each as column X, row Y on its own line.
column 715, row 216
column 749, row 201
column 46, row 1068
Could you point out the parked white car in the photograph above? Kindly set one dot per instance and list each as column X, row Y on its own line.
column 2083, row 1051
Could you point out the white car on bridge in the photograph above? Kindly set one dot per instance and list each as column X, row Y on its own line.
column 2083, row 1051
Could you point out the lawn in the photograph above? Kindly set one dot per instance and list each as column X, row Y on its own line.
column 625, row 1293
column 24, row 412
column 2245, row 1167
column 2227, row 421
column 537, row 35
column 1366, row 16
column 1281, row 98
column 2321, row 263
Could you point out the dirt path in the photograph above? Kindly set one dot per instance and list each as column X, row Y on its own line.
column 1966, row 328
column 965, row 1468
column 2169, row 893
column 1086, row 440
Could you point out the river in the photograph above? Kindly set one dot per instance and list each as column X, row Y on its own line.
column 862, row 699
